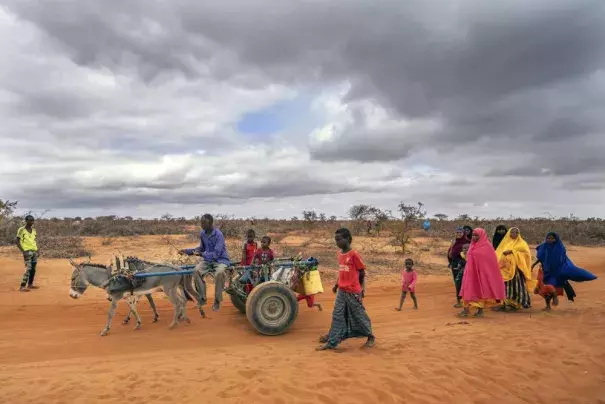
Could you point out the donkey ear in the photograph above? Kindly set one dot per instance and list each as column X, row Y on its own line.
column 71, row 262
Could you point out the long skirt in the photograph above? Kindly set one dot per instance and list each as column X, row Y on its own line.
column 458, row 281
column 349, row 319
column 517, row 294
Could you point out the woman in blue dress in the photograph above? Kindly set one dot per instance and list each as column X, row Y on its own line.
column 558, row 269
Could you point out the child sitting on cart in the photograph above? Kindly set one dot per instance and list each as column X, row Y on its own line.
column 264, row 255
column 249, row 248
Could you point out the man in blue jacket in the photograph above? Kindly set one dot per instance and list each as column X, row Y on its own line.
column 213, row 250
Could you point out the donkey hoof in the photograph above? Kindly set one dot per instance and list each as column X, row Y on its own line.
column 172, row 326
column 155, row 319
column 104, row 333
column 137, row 327
column 125, row 322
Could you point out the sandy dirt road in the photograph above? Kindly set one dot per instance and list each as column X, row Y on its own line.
column 51, row 351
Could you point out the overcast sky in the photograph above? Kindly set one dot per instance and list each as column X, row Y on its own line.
column 265, row 108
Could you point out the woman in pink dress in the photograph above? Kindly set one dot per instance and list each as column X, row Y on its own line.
column 482, row 277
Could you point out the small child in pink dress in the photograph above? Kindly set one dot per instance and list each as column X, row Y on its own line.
column 408, row 280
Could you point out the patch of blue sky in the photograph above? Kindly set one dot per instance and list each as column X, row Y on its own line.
column 292, row 115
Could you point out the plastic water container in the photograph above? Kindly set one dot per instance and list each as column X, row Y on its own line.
column 312, row 283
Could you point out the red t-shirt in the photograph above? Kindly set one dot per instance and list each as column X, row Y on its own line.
column 349, row 265
column 263, row 256
column 250, row 251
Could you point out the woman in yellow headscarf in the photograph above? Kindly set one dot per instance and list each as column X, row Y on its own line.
column 514, row 257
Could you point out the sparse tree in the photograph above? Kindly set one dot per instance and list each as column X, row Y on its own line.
column 360, row 215
column 441, row 217
column 361, row 212
column 310, row 216
column 380, row 218
column 7, row 225
column 409, row 214
column 7, row 208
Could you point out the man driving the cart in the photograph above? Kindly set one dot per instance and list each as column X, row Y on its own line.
column 215, row 259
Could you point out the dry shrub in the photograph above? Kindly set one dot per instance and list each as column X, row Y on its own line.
column 372, row 246
column 8, row 231
column 284, row 250
column 589, row 232
column 62, row 246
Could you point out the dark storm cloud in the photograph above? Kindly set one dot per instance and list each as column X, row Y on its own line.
column 572, row 156
column 67, row 194
column 114, row 34
column 509, row 88
column 596, row 185
column 57, row 105
column 366, row 146
column 471, row 64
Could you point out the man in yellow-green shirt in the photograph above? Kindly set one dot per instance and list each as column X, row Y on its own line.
column 26, row 241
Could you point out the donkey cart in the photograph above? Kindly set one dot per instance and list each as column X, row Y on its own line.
column 266, row 293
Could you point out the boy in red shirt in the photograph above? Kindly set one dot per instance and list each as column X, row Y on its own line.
column 349, row 319
column 264, row 255
column 249, row 248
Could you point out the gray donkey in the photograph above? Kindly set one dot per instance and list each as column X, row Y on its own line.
column 98, row 275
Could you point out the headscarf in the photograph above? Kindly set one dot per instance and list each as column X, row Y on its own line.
column 497, row 239
column 469, row 237
column 552, row 256
column 520, row 258
column 456, row 248
column 482, row 279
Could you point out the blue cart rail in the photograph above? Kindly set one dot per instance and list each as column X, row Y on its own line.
column 189, row 269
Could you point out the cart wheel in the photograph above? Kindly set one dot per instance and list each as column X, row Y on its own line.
column 271, row 308
column 238, row 303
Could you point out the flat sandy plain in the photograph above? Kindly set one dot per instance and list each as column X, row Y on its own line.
column 51, row 350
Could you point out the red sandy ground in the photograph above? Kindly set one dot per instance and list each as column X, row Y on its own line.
column 51, row 351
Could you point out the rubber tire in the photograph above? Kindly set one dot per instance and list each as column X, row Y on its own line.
column 260, row 294
column 238, row 303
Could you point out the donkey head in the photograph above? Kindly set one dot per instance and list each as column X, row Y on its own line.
column 79, row 283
